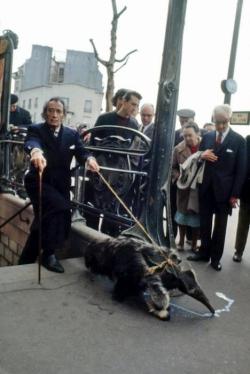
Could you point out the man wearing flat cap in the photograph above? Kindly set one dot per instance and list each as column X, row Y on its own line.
column 185, row 115
column 18, row 116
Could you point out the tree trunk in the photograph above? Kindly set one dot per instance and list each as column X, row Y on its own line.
column 110, row 64
column 109, row 90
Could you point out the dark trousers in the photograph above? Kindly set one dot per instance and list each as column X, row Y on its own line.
column 55, row 229
column 242, row 227
column 56, row 219
column 173, row 192
column 212, row 237
column 30, row 250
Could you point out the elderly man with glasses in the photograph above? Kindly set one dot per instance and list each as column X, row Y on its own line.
column 224, row 174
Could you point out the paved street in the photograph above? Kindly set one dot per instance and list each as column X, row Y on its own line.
column 70, row 325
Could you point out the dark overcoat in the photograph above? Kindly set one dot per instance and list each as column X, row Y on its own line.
column 227, row 174
column 56, row 179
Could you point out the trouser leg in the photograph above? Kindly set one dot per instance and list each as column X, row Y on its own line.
column 206, row 221
column 195, row 236
column 242, row 227
column 30, row 250
column 173, row 193
column 182, row 230
column 219, row 235
column 189, row 233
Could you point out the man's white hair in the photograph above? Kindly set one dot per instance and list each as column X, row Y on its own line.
column 147, row 105
column 224, row 110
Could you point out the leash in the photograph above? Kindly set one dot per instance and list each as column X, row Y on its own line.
column 125, row 207
column 153, row 269
column 39, row 225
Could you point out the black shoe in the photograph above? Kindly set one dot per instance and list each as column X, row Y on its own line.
column 216, row 266
column 237, row 257
column 198, row 257
column 51, row 263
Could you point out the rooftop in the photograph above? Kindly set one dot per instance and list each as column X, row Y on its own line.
column 41, row 69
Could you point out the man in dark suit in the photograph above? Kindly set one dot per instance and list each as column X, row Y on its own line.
column 147, row 116
column 18, row 116
column 244, row 212
column 51, row 147
column 224, row 174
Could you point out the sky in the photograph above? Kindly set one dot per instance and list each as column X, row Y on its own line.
column 206, row 48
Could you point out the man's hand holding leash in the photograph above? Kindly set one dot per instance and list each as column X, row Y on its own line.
column 92, row 164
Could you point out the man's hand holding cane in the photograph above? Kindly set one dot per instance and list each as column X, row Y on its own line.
column 38, row 160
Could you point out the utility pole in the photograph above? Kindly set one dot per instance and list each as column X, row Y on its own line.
column 229, row 86
column 161, row 162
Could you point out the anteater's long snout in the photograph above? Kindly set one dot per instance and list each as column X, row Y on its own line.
column 199, row 295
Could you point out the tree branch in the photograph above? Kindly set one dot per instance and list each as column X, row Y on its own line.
column 125, row 57
column 116, row 14
column 103, row 62
column 122, row 11
column 120, row 67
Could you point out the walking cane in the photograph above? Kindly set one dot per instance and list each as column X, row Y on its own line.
column 39, row 225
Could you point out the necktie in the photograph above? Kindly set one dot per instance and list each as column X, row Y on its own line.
column 54, row 131
column 219, row 138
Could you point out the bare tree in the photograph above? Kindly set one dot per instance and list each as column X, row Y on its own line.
column 110, row 64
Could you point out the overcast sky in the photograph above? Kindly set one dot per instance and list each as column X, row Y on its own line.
column 207, row 42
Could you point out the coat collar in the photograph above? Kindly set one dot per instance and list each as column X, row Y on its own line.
column 48, row 136
column 225, row 141
column 182, row 146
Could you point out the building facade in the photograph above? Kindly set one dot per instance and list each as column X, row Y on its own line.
column 76, row 80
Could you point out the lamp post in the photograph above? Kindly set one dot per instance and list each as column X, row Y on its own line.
column 229, row 86
column 162, row 145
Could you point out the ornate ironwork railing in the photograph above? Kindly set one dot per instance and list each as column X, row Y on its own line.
column 124, row 163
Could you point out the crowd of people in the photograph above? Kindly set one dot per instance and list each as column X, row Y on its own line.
column 209, row 187
column 210, row 174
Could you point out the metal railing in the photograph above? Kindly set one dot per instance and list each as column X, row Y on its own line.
column 14, row 163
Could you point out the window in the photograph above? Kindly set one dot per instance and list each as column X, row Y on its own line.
column 60, row 75
column 34, row 117
column 29, row 104
column 88, row 106
column 36, row 102
column 24, row 104
column 66, row 101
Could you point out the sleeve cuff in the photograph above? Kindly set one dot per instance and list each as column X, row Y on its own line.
column 34, row 150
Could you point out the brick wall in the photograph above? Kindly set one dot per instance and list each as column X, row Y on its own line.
column 13, row 236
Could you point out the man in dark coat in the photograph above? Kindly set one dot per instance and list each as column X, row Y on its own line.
column 51, row 147
column 18, row 116
column 147, row 116
column 124, row 116
column 244, row 212
column 224, row 174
